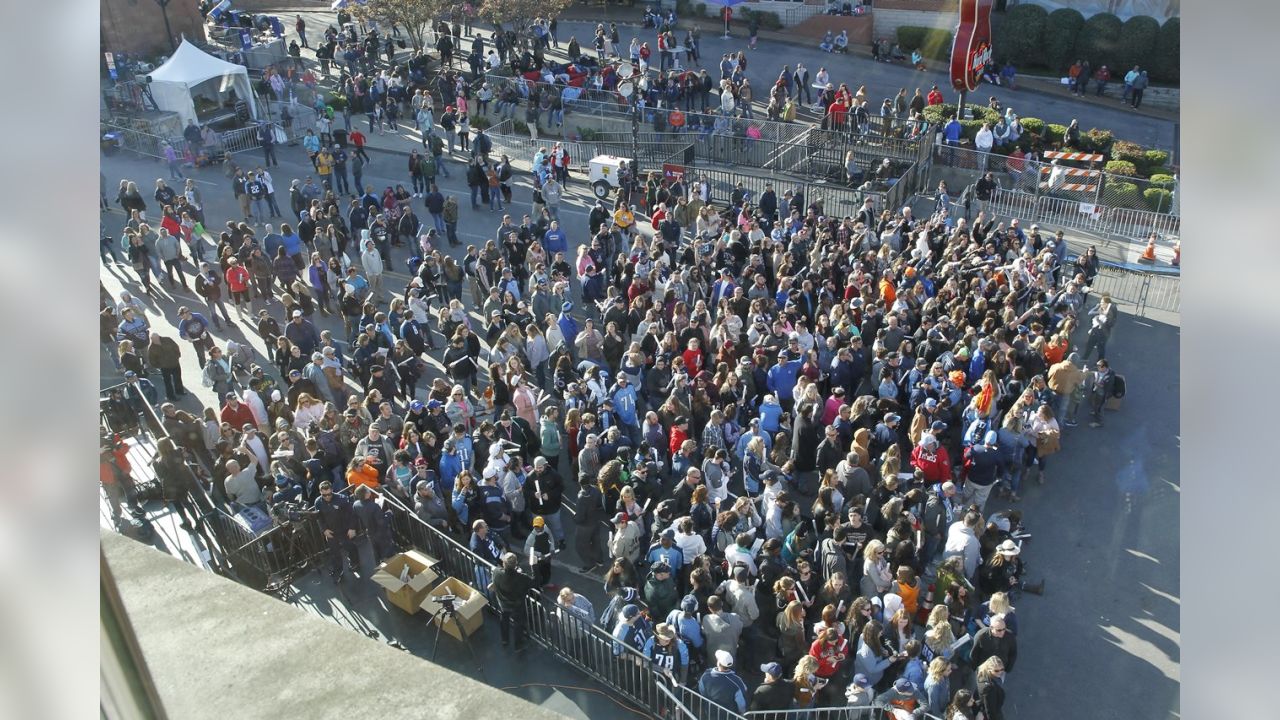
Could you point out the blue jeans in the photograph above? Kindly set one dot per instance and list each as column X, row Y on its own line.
column 438, row 220
column 440, row 166
column 557, row 117
column 495, row 198
column 475, row 196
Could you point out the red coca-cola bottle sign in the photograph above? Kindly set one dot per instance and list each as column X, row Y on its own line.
column 971, row 49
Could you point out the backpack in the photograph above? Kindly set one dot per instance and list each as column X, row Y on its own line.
column 1117, row 387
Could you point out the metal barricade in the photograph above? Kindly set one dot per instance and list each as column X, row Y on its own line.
column 1131, row 285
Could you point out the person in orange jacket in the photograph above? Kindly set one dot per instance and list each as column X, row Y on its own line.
column 363, row 472
column 115, row 474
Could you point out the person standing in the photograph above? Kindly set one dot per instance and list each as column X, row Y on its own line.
column 300, row 26
column 721, row 684
column 510, row 587
column 1102, row 386
column 163, row 353
column 1139, row 86
column 338, row 522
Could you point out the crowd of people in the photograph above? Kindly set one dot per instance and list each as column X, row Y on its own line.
column 775, row 432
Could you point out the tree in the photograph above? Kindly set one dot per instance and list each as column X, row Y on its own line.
column 1099, row 40
column 518, row 15
column 1020, row 35
column 1060, row 38
column 1137, row 42
column 415, row 16
column 1164, row 61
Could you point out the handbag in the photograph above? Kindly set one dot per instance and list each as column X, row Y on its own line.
column 1048, row 442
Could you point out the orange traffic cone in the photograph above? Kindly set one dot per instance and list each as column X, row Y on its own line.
column 1177, row 254
column 1150, row 253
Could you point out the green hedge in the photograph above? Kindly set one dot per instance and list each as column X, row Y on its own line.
column 479, row 122
column 337, row 101
column 1125, row 150
column 1099, row 40
column 1121, row 167
column 933, row 43
column 1032, row 126
column 1054, row 133
column 1164, row 61
column 1137, row 43
column 1125, row 195
column 1164, row 182
column 1153, row 160
column 768, row 20
column 939, row 114
column 1060, row 33
column 1020, row 35
column 1158, row 200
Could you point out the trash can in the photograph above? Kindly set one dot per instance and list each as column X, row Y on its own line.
column 339, row 137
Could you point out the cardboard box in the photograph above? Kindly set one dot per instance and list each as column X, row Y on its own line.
column 470, row 606
column 407, row 596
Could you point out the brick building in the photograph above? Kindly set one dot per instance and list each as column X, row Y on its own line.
column 137, row 26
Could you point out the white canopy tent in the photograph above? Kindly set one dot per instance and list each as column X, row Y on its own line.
column 192, row 72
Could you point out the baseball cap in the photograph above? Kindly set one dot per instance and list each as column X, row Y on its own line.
column 566, row 307
column 630, row 611
column 539, row 461
column 904, row 686
column 539, row 521
column 282, row 480
column 434, row 404
column 861, row 680
column 420, row 461
column 297, row 313
column 724, row 658
column 669, row 534
column 931, row 403
column 938, row 426
column 892, row 417
column 771, row 668
column 416, row 405
column 620, row 517
column 990, row 438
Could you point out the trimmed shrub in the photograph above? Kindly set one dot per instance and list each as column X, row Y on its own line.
column 1098, row 141
column 700, row 9
column 1125, row 150
column 768, row 20
column 519, row 127
column 480, row 122
column 939, row 114
column 1032, row 126
column 338, row 102
column 1125, row 195
column 933, row 43
column 1158, row 200
column 969, row 129
column 1163, row 182
column 1164, row 60
column 1137, row 43
column 1054, row 133
column 1099, row 40
column 1121, row 167
column 1153, row 160
column 1060, row 31
column 1020, row 34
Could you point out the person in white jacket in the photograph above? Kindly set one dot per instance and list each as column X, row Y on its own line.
column 373, row 268
column 983, row 141
column 257, row 407
column 689, row 542
column 962, row 540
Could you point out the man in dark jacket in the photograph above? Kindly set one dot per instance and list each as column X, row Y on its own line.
column 544, row 494
column 510, row 587
column 775, row 693
column 995, row 640
column 374, row 522
column 164, row 353
column 592, row 520
column 338, row 521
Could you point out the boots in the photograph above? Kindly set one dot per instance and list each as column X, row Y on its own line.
column 1034, row 589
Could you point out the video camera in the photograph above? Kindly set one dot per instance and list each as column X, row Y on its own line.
column 446, row 602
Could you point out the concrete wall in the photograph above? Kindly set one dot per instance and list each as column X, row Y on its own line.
column 216, row 649
column 887, row 21
column 137, row 26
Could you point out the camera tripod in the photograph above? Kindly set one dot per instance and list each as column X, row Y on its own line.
column 449, row 613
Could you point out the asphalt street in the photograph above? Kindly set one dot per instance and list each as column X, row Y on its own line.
column 881, row 79
column 1102, row 641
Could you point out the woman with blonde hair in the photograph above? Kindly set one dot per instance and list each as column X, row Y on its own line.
column 792, row 644
column 998, row 604
column 937, row 686
column 876, row 577
column 459, row 408
column 806, row 682
column 991, row 688
column 308, row 410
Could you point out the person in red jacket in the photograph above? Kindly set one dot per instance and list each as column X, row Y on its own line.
column 935, row 96
column 932, row 459
column 236, row 413
column 679, row 433
column 692, row 357
column 836, row 114
column 831, row 651
column 238, row 279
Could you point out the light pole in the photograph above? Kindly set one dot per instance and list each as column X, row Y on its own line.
column 168, row 32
